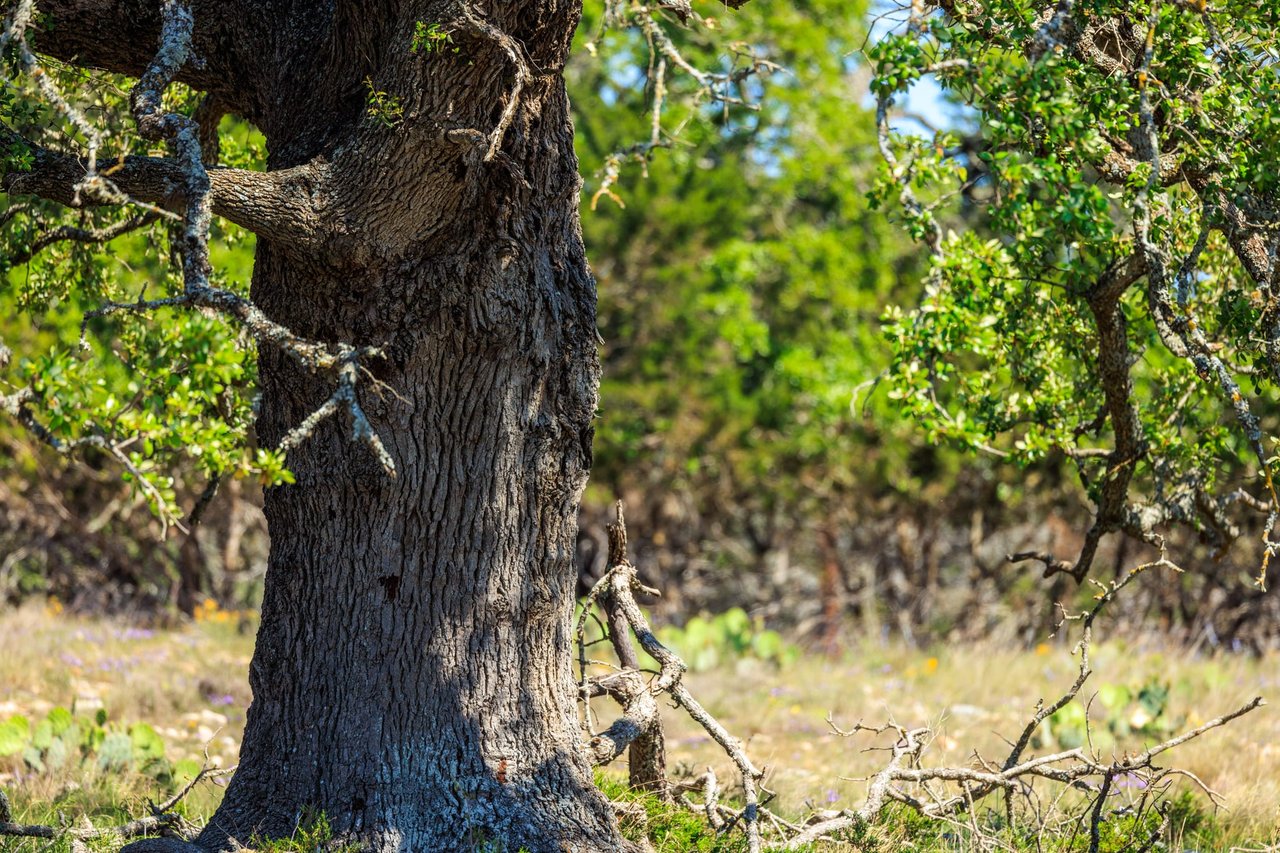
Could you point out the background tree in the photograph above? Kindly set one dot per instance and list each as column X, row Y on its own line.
column 743, row 276
column 1120, row 309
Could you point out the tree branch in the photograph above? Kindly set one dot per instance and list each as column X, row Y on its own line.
column 619, row 583
column 184, row 182
column 277, row 205
column 120, row 36
column 74, row 234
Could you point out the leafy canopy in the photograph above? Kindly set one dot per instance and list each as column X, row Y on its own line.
column 1119, row 304
column 168, row 395
column 741, row 272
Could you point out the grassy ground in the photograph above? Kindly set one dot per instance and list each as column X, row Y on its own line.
column 975, row 698
column 189, row 686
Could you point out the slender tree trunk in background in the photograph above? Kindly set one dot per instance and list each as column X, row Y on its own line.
column 189, row 584
column 412, row 676
column 236, row 524
column 832, row 607
column 868, row 600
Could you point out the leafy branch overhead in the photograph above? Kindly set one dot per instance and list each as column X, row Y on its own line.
column 1119, row 302
column 680, row 80
column 76, row 183
column 181, row 192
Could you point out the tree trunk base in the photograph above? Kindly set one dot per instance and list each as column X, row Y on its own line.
column 561, row 815
column 400, row 843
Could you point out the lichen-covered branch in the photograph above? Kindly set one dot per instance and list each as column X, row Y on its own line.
column 18, row 406
column 522, row 74
column 75, row 234
column 907, row 748
column 278, row 205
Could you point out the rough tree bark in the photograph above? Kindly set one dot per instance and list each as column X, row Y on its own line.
column 412, row 674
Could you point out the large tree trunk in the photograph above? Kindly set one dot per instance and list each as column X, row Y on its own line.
column 412, row 675
column 411, row 678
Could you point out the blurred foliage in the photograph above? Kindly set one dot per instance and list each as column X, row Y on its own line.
column 740, row 270
column 172, row 392
column 706, row 642
column 1117, row 711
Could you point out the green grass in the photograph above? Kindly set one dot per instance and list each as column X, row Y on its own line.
column 668, row 828
column 313, row 834
column 189, row 686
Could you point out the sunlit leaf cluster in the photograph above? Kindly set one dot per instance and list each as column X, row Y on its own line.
column 172, row 393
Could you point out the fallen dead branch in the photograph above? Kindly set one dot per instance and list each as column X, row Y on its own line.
column 949, row 794
column 616, row 589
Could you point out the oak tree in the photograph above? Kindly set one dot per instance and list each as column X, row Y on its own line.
column 427, row 368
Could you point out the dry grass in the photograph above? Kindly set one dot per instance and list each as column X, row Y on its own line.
column 190, row 684
column 974, row 698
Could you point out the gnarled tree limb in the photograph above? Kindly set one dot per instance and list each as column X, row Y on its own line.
column 277, row 205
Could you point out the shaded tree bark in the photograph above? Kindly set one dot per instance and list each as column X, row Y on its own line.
column 412, row 674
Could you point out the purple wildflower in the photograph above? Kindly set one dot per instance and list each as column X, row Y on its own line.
column 1131, row 780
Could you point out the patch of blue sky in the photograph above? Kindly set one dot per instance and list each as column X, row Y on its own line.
column 926, row 107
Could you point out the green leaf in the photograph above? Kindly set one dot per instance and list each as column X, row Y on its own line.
column 147, row 745
column 57, row 754
column 184, row 771
column 60, row 720
column 33, row 757
column 14, row 734
column 43, row 734
column 115, row 752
